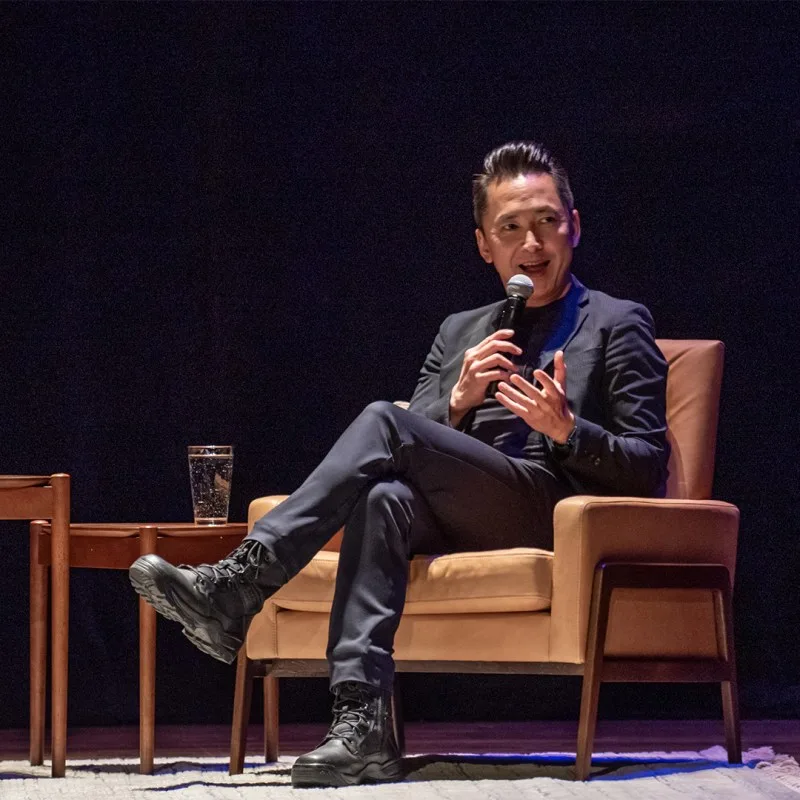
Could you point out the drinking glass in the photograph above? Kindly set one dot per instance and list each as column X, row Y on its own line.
column 210, row 471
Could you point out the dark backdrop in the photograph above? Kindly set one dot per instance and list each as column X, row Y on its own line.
column 241, row 223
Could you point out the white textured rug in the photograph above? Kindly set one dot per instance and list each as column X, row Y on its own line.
column 644, row 776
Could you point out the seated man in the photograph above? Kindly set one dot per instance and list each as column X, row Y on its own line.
column 579, row 408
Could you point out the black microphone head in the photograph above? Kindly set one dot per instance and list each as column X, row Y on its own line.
column 519, row 286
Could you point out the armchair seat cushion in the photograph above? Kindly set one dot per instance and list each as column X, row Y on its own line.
column 490, row 581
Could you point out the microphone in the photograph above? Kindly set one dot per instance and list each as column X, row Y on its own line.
column 518, row 289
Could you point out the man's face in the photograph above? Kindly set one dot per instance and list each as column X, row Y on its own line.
column 526, row 231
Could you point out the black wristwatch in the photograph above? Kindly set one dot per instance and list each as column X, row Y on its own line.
column 564, row 449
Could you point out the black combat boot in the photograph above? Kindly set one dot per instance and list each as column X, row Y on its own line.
column 360, row 746
column 213, row 602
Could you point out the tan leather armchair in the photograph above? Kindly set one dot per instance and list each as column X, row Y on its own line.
column 636, row 589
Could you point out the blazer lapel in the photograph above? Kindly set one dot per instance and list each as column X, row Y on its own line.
column 575, row 312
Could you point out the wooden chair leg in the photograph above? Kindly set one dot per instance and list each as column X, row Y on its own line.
column 59, row 620
column 723, row 608
column 271, row 719
column 398, row 723
column 39, row 576
column 592, row 674
column 242, row 697
column 730, row 712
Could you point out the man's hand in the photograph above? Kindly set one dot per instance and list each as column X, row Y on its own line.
column 545, row 409
column 482, row 364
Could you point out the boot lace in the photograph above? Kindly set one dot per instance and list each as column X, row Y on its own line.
column 245, row 562
column 351, row 712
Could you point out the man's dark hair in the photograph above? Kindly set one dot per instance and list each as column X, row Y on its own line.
column 519, row 158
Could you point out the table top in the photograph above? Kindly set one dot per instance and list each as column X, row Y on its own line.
column 116, row 545
column 130, row 529
column 23, row 481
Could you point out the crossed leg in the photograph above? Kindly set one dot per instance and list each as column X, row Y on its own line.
column 401, row 485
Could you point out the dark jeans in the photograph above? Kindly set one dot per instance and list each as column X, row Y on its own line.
column 401, row 485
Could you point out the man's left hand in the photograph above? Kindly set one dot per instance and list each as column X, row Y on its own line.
column 545, row 409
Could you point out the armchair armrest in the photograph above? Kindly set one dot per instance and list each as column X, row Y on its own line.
column 262, row 638
column 263, row 505
column 588, row 530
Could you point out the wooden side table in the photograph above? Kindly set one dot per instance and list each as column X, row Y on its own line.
column 29, row 497
column 117, row 546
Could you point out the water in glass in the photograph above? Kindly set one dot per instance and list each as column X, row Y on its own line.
column 210, row 472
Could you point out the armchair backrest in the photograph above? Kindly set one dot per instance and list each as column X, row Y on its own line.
column 693, row 389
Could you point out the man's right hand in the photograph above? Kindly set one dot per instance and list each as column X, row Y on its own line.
column 484, row 363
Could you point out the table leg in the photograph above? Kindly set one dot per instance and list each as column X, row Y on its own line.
column 38, row 646
column 59, row 621
column 147, row 665
column 147, row 686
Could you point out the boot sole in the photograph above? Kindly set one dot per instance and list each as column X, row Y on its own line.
column 306, row 776
column 205, row 633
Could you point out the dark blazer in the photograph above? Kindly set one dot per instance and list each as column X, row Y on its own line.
column 616, row 387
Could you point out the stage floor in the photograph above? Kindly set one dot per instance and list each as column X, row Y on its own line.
column 429, row 737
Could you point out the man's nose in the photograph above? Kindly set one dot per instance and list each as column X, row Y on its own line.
column 531, row 242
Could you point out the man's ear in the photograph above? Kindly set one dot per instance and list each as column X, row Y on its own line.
column 575, row 232
column 483, row 246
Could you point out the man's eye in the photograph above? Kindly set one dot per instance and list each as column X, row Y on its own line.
column 509, row 226
column 550, row 220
